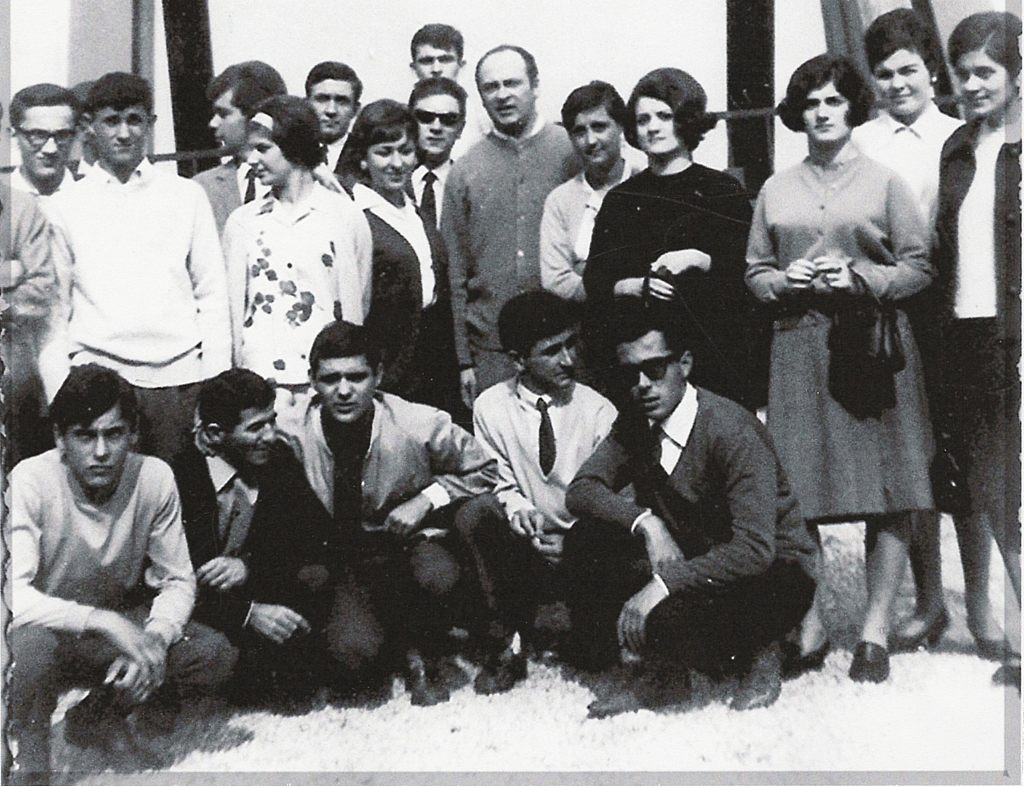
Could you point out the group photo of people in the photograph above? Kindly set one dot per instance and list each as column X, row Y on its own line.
column 402, row 406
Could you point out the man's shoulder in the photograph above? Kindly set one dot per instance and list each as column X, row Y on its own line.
column 42, row 468
column 495, row 399
column 586, row 398
column 218, row 174
column 726, row 419
column 416, row 421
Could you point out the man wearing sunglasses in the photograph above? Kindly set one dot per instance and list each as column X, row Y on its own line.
column 439, row 106
column 708, row 565
column 43, row 121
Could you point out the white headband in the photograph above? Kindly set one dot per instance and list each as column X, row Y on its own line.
column 263, row 119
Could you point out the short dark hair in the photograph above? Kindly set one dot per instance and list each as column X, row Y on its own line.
column 591, row 96
column 384, row 120
column 44, row 94
column 344, row 340
column 439, row 36
column 438, row 86
column 87, row 393
column 996, row 32
column 901, row 29
column 332, row 69
column 683, row 94
column 223, row 398
column 296, row 129
column 529, row 317
column 119, row 90
column 633, row 322
column 252, row 81
column 818, row 72
column 529, row 60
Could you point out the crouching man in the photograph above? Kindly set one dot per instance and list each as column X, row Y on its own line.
column 261, row 543
column 102, row 583
column 710, row 566
column 394, row 476
column 540, row 425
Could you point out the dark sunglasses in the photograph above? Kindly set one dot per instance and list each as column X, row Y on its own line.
column 653, row 369
column 37, row 137
column 450, row 119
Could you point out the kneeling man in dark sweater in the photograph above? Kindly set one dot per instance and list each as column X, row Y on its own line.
column 710, row 564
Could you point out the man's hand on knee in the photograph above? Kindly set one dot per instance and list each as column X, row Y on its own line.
column 223, row 573
column 527, row 522
column 662, row 549
column 633, row 618
column 405, row 519
column 277, row 623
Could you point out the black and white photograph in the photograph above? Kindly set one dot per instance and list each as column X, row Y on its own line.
column 510, row 392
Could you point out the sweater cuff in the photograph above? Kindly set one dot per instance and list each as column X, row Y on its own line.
column 645, row 513
column 437, row 495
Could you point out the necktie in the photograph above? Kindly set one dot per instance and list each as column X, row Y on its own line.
column 546, row 440
column 428, row 202
column 250, row 188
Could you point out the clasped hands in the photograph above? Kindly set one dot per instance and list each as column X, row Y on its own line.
column 675, row 262
column 545, row 537
column 824, row 273
column 140, row 668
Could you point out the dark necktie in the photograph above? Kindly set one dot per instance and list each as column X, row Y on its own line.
column 546, row 439
column 428, row 203
column 250, row 188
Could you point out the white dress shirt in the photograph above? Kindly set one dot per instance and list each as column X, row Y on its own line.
column 976, row 238
column 334, row 151
column 912, row 151
column 441, row 173
column 242, row 177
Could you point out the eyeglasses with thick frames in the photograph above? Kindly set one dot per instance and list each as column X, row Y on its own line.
column 37, row 137
column 653, row 369
column 450, row 119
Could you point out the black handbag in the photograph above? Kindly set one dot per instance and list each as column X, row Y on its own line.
column 865, row 353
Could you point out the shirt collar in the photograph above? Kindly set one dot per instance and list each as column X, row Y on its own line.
column 421, row 171
column 529, row 398
column 142, row 173
column 222, row 472
column 679, row 424
column 920, row 128
column 532, row 131
column 317, row 200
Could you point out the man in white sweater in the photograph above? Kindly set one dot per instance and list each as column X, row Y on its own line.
column 541, row 426
column 147, row 293
column 102, row 583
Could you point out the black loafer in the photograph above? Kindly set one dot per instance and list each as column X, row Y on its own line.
column 929, row 636
column 1008, row 675
column 794, row 664
column 762, row 684
column 870, row 663
column 500, row 673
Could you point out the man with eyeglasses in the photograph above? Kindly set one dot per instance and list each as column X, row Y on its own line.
column 147, row 294
column 439, row 106
column 709, row 564
column 43, row 121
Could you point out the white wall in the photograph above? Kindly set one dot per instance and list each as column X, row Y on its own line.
column 799, row 36
column 573, row 42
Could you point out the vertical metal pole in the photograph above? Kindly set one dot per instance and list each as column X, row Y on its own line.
column 190, row 61
column 143, row 25
column 750, row 75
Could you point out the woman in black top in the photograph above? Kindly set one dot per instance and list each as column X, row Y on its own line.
column 674, row 238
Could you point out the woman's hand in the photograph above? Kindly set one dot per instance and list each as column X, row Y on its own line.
column 629, row 288
column 682, row 260
column 800, row 274
column 835, row 272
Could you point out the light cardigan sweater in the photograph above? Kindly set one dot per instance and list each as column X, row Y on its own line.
column 147, row 293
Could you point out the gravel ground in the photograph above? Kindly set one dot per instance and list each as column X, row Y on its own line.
column 937, row 712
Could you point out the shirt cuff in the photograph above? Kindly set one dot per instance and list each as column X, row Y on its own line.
column 167, row 631
column 662, row 585
column 437, row 495
column 248, row 614
column 632, row 528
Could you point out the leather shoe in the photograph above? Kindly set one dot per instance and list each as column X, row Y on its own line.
column 794, row 664
column 500, row 673
column 990, row 649
column 624, row 701
column 422, row 684
column 870, row 663
column 762, row 685
column 1008, row 675
column 928, row 636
